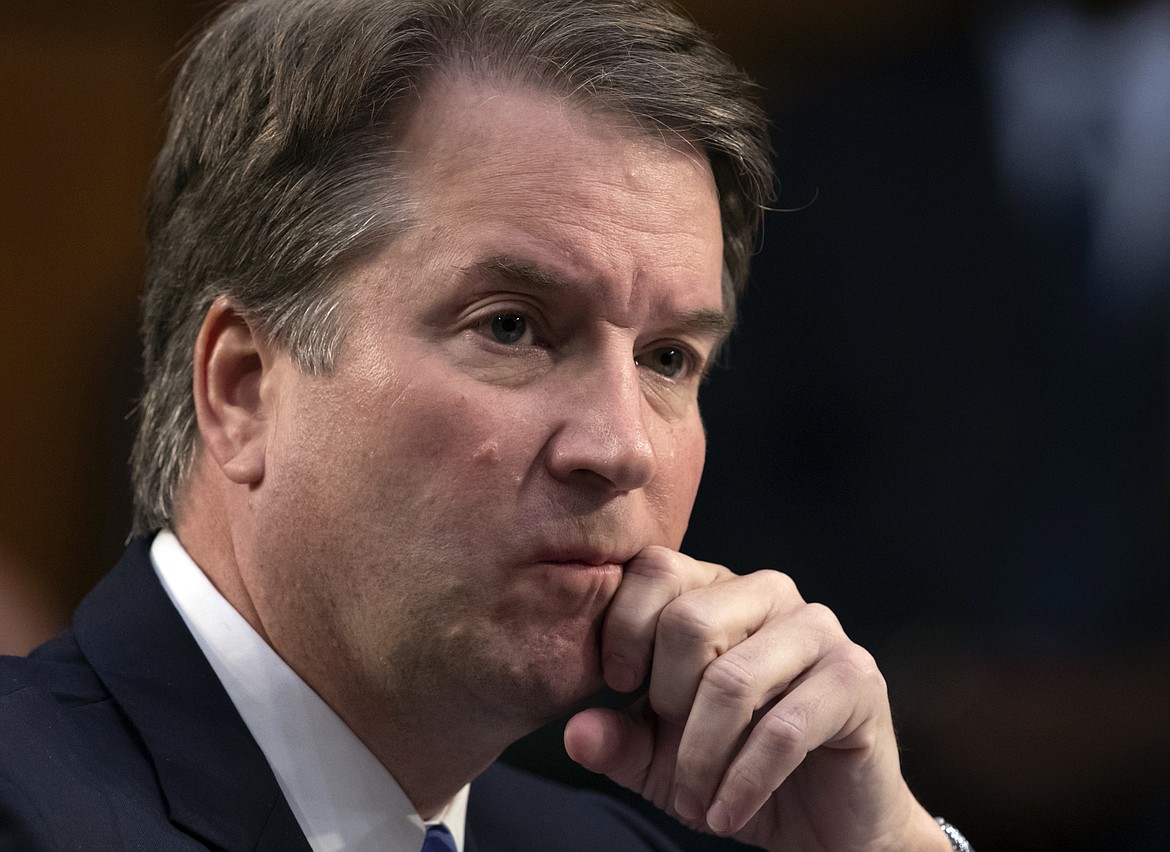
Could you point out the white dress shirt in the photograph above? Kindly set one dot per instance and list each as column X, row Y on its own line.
column 342, row 797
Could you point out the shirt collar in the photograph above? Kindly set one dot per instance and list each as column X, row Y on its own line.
column 342, row 796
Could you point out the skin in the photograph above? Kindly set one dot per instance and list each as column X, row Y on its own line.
column 474, row 520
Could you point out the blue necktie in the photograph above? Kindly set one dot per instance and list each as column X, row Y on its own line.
column 439, row 839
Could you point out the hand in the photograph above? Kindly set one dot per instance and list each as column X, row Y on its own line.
column 763, row 720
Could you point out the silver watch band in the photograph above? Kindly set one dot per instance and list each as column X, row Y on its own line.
column 958, row 841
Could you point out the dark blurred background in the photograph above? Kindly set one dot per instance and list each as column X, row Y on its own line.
column 945, row 411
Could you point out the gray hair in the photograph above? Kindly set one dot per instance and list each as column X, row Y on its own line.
column 277, row 175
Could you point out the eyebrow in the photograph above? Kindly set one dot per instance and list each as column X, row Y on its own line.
column 511, row 268
column 702, row 322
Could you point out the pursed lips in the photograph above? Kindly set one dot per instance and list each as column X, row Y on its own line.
column 586, row 556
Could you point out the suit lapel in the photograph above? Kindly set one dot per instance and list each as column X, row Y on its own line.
column 469, row 844
column 216, row 781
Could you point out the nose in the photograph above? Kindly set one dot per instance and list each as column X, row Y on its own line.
column 601, row 437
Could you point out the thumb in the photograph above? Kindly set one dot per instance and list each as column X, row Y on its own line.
column 617, row 743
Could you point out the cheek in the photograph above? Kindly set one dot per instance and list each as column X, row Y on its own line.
column 680, row 467
column 454, row 439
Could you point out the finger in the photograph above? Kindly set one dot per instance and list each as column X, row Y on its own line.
column 610, row 742
column 698, row 627
column 734, row 688
column 652, row 579
column 623, row 744
column 835, row 704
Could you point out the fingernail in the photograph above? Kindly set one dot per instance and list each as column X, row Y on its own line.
column 687, row 805
column 619, row 674
column 719, row 819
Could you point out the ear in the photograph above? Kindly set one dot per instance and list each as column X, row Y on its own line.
column 231, row 363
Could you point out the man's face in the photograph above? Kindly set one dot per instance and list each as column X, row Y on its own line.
column 513, row 414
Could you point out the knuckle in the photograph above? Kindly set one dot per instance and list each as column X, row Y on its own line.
column 824, row 619
column 748, row 778
column 825, row 630
column 778, row 584
column 858, row 665
column 689, row 619
column 731, row 682
column 695, row 762
column 782, row 734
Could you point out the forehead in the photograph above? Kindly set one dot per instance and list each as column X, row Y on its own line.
column 513, row 169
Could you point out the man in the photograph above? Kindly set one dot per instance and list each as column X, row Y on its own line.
column 433, row 285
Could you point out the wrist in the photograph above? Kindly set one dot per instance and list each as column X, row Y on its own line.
column 923, row 834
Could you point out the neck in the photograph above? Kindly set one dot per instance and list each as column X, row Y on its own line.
column 431, row 742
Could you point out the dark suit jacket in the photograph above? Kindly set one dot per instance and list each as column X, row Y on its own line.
column 117, row 735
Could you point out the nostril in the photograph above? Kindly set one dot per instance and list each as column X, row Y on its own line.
column 607, row 459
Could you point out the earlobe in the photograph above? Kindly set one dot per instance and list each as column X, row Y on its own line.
column 231, row 360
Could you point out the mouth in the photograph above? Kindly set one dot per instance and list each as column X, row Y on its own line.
column 604, row 573
column 581, row 570
column 587, row 557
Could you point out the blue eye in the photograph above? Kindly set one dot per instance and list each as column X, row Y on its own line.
column 509, row 328
column 668, row 361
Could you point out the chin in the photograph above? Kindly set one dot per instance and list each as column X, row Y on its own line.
column 546, row 682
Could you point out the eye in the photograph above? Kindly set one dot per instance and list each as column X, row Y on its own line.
column 508, row 328
column 668, row 361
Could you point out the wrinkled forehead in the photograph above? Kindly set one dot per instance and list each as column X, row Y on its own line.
column 455, row 112
column 527, row 188
column 455, row 126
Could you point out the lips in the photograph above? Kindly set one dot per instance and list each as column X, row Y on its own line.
column 586, row 556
